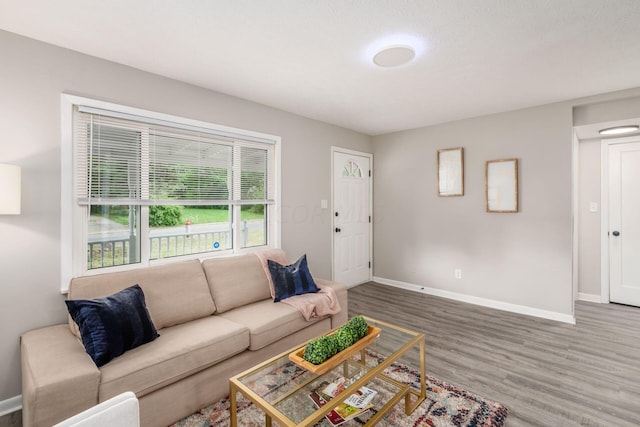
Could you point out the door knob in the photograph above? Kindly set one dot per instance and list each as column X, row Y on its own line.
column 616, row 233
column 338, row 230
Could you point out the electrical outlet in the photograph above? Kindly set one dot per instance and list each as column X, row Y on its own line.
column 457, row 273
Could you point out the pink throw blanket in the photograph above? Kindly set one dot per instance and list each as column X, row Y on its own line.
column 319, row 304
column 276, row 255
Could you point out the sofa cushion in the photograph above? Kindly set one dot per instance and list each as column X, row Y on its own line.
column 111, row 325
column 268, row 322
column 236, row 281
column 175, row 293
column 291, row 280
column 180, row 351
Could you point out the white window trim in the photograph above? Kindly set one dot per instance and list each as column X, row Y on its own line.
column 72, row 241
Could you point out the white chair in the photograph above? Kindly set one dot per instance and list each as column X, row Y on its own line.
column 121, row 410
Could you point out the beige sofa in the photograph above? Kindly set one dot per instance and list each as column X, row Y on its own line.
column 215, row 319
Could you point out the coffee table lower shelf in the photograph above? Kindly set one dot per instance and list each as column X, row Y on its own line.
column 413, row 397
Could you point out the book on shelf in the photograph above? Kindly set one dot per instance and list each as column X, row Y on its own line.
column 356, row 404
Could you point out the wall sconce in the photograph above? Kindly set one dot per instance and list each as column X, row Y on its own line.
column 9, row 190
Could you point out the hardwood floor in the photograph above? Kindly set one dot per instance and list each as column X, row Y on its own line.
column 547, row 373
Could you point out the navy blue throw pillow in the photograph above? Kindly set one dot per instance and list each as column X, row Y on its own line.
column 291, row 280
column 111, row 325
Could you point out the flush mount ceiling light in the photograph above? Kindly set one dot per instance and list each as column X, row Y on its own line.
column 394, row 56
column 618, row 130
column 394, row 50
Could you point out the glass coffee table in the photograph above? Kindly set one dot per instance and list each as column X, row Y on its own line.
column 283, row 390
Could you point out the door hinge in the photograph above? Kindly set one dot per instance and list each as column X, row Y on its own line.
column 369, row 173
column 369, row 264
column 369, row 219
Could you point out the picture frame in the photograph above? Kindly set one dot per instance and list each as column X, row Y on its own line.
column 501, row 177
column 451, row 172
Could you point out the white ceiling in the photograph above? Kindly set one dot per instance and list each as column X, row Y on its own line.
column 307, row 56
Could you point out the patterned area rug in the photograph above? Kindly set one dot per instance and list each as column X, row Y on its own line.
column 446, row 405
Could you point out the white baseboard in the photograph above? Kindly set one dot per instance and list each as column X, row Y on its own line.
column 500, row 305
column 589, row 297
column 10, row 405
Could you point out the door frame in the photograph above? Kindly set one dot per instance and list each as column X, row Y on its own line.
column 575, row 230
column 335, row 149
column 604, row 212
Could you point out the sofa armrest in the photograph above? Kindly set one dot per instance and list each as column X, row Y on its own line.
column 341, row 293
column 59, row 379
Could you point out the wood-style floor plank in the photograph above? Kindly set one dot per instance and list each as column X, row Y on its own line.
column 547, row 373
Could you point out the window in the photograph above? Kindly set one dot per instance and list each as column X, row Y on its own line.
column 352, row 170
column 147, row 188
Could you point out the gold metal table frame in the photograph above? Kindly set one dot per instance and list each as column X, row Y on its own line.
column 413, row 397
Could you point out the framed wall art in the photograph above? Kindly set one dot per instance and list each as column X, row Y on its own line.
column 502, row 185
column 451, row 172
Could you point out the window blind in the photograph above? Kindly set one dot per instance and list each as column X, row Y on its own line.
column 120, row 161
column 256, row 182
column 189, row 169
column 108, row 160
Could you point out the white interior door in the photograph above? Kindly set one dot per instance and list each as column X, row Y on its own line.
column 351, row 218
column 624, row 223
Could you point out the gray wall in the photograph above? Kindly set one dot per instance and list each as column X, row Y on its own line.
column 589, row 222
column 32, row 77
column 607, row 107
column 522, row 258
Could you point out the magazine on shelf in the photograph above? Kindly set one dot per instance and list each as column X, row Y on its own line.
column 361, row 398
column 356, row 404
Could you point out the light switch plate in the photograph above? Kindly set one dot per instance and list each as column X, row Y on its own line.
column 593, row 207
column 324, row 204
